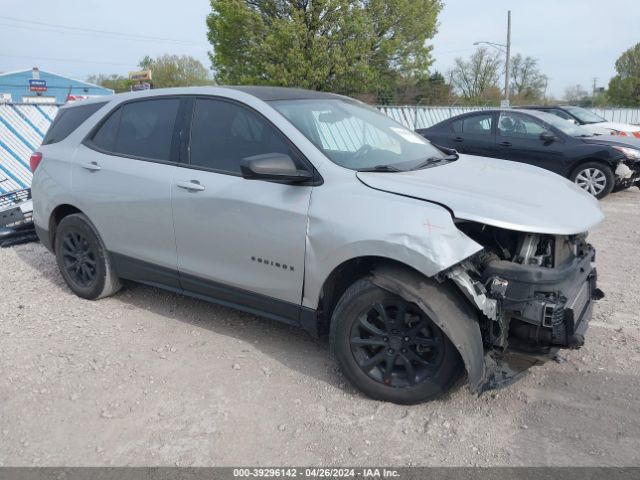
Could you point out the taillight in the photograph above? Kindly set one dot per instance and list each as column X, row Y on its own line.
column 34, row 160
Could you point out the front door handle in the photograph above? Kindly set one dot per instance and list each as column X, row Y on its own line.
column 93, row 166
column 505, row 144
column 458, row 139
column 191, row 185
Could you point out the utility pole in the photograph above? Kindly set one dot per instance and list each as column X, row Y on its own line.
column 506, row 64
column 505, row 48
column 593, row 92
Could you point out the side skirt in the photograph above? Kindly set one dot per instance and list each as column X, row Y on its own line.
column 214, row 292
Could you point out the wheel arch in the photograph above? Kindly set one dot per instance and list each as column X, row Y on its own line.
column 407, row 282
column 57, row 214
column 579, row 163
column 341, row 277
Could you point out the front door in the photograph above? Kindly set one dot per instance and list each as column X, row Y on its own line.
column 519, row 140
column 240, row 241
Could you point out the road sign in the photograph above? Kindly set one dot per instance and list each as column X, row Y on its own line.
column 137, row 87
column 37, row 85
column 141, row 76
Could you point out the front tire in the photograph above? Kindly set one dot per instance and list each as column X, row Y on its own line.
column 389, row 348
column 83, row 260
column 595, row 178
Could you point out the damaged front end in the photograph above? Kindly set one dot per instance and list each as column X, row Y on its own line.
column 535, row 293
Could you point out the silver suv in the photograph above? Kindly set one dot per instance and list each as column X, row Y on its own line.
column 316, row 210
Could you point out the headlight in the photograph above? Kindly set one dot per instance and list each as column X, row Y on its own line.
column 630, row 153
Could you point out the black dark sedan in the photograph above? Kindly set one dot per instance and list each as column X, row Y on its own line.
column 598, row 164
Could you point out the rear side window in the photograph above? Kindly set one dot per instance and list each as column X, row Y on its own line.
column 68, row 119
column 105, row 137
column 474, row 125
column 140, row 129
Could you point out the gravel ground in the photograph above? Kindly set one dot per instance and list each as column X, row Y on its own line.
column 152, row 378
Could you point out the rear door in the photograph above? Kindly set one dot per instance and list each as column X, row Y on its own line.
column 240, row 241
column 519, row 140
column 122, row 178
column 474, row 134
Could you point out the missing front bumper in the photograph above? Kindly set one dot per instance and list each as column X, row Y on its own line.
column 547, row 307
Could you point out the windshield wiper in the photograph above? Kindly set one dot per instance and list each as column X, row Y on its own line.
column 433, row 160
column 380, row 168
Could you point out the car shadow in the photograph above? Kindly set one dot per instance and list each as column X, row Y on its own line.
column 290, row 346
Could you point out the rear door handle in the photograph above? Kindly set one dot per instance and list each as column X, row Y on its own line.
column 505, row 144
column 93, row 166
column 458, row 139
column 191, row 185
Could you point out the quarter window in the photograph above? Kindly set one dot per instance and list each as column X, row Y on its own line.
column 223, row 133
column 68, row 119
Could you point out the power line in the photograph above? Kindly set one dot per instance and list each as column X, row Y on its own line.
column 74, row 60
column 88, row 31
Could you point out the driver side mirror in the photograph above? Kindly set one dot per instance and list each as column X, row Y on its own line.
column 273, row 166
column 548, row 137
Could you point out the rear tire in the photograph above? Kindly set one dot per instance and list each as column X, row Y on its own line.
column 389, row 348
column 594, row 178
column 83, row 259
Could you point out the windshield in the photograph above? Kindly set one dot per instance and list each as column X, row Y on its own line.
column 584, row 115
column 358, row 137
column 565, row 126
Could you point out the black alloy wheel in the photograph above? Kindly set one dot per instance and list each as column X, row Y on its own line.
column 79, row 259
column 396, row 344
column 391, row 349
column 83, row 260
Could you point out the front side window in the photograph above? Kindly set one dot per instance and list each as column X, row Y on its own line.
column 355, row 136
column 223, row 133
column 520, row 126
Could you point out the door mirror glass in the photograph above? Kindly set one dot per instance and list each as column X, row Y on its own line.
column 273, row 166
column 547, row 137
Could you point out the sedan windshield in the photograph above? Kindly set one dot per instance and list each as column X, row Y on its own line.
column 584, row 115
column 358, row 137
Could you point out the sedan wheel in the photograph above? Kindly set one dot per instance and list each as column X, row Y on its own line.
column 594, row 178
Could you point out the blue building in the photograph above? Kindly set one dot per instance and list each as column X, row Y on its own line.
column 39, row 86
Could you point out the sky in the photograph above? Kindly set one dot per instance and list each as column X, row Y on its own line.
column 573, row 40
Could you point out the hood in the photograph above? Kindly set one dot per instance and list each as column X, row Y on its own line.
column 614, row 140
column 500, row 193
column 606, row 127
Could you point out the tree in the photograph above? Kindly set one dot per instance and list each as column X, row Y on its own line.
column 624, row 88
column 474, row 78
column 576, row 94
column 433, row 90
column 115, row 82
column 176, row 71
column 527, row 82
column 346, row 46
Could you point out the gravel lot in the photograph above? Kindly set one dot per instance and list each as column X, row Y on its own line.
column 153, row 378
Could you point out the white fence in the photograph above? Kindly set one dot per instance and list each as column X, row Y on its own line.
column 22, row 128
